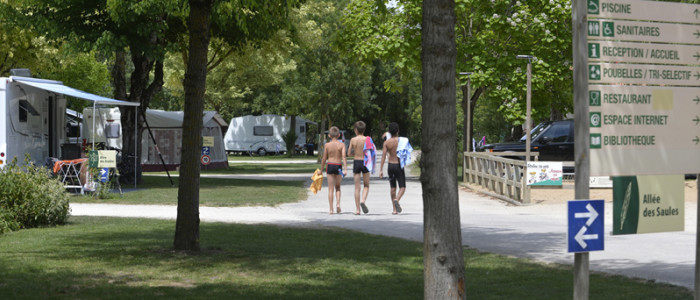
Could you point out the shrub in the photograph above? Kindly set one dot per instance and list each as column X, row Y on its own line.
column 30, row 197
column 289, row 139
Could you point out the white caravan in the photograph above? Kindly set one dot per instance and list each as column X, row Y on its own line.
column 263, row 134
column 35, row 119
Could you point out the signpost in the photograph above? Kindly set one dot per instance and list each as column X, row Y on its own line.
column 643, row 118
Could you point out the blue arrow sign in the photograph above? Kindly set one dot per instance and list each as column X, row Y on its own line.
column 586, row 225
column 206, row 150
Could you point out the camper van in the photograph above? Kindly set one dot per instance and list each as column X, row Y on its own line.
column 263, row 134
column 104, row 126
column 35, row 119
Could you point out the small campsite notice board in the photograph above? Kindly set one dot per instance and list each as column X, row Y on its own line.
column 102, row 159
column 646, row 204
column 542, row 173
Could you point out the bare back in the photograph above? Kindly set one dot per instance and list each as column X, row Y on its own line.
column 390, row 147
column 357, row 147
column 334, row 151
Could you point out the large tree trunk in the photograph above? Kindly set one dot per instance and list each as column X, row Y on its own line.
column 187, row 224
column 142, row 89
column 442, row 245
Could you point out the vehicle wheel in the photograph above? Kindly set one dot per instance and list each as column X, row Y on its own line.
column 262, row 152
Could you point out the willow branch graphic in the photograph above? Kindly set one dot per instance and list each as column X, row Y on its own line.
column 625, row 205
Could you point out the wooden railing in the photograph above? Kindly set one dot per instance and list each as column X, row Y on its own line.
column 497, row 176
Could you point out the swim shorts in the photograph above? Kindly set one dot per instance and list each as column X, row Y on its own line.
column 396, row 173
column 333, row 169
column 358, row 166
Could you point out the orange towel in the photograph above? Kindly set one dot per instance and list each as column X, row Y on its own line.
column 317, row 181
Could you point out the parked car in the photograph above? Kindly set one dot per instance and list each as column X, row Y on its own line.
column 554, row 140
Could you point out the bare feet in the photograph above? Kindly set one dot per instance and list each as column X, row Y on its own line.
column 337, row 208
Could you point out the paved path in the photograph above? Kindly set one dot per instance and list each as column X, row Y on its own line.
column 536, row 231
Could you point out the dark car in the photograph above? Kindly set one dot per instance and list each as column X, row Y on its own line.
column 554, row 140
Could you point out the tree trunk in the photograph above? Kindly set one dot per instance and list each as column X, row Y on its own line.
column 187, row 224
column 442, row 246
column 292, row 128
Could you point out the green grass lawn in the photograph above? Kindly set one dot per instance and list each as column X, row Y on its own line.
column 119, row 258
column 212, row 192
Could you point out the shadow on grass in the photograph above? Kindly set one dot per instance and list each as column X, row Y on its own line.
column 113, row 258
column 124, row 258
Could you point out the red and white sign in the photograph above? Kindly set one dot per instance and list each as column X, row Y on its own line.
column 205, row 159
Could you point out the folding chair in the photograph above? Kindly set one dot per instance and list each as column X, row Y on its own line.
column 68, row 172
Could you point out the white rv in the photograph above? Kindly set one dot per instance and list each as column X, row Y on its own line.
column 263, row 134
column 35, row 119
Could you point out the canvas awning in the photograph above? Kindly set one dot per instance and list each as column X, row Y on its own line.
column 59, row 88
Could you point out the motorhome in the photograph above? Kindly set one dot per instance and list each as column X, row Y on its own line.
column 35, row 118
column 263, row 134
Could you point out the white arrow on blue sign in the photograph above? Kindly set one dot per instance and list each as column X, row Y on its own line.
column 206, row 150
column 586, row 229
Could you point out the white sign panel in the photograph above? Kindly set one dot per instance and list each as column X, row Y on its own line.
column 649, row 130
column 627, row 52
column 544, row 173
column 643, row 74
column 644, row 10
column 636, row 31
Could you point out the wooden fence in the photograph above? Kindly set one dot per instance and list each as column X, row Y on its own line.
column 498, row 176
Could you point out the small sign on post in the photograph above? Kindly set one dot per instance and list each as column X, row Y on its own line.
column 102, row 159
column 586, row 225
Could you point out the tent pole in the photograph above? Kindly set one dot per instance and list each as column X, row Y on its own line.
column 150, row 133
column 136, row 145
column 94, row 117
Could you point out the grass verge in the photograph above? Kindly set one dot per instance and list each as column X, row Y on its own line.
column 115, row 258
column 212, row 192
column 271, row 157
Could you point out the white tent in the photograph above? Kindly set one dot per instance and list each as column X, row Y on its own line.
column 167, row 131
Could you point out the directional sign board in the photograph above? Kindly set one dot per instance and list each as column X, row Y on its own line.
column 643, row 74
column 629, row 124
column 636, row 31
column 586, row 225
column 644, row 10
column 628, row 52
column 644, row 78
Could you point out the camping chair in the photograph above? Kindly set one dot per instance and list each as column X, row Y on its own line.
column 68, row 171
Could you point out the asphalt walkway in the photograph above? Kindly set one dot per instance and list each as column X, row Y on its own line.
column 535, row 231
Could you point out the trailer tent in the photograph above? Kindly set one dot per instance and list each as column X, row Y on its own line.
column 167, row 131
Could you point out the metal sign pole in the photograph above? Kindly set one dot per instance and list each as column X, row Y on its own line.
column 581, row 133
column 697, row 242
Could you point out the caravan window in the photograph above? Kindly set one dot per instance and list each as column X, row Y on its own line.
column 24, row 108
column 301, row 129
column 262, row 130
